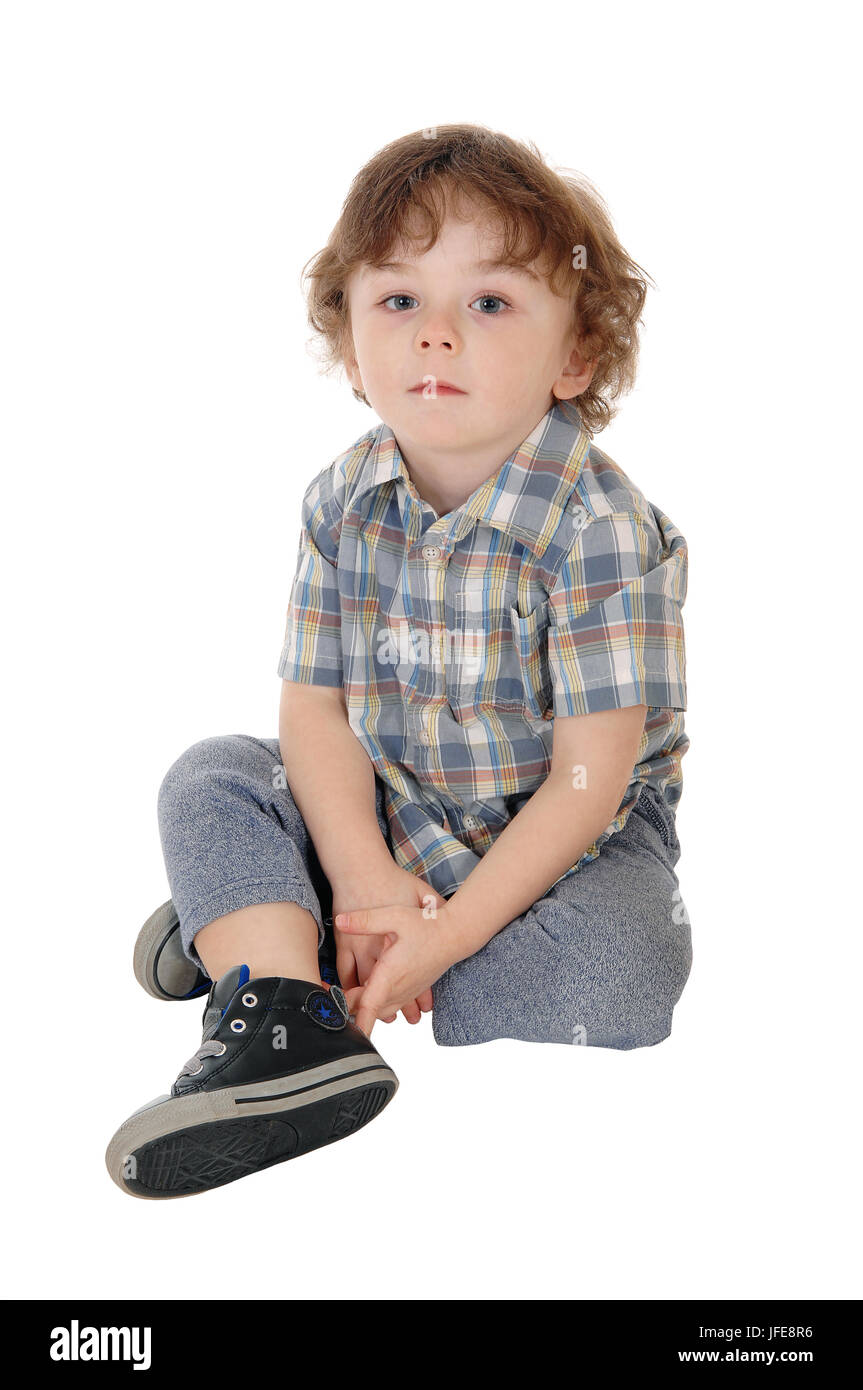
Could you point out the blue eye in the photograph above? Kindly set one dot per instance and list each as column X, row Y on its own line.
column 487, row 297
column 397, row 296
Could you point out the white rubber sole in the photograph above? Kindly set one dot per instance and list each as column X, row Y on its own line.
column 214, row 1137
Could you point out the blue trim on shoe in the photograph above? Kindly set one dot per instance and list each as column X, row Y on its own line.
column 242, row 979
column 198, row 989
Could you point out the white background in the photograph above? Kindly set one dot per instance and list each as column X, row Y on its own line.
column 167, row 168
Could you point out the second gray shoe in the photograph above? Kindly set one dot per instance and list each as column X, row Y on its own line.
column 164, row 970
column 161, row 966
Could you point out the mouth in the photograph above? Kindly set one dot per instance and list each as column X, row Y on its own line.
column 437, row 388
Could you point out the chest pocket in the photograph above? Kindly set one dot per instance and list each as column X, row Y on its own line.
column 499, row 660
column 531, row 641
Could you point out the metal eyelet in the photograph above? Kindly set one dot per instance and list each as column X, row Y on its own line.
column 223, row 1051
column 199, row 1067
column 250, row 1000
column 237, row 1025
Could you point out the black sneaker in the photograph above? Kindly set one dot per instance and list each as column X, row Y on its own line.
column 282, row 1069
column 165, row 972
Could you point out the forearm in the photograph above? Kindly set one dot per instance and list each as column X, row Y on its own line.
column 547, row 836
column 332, row 782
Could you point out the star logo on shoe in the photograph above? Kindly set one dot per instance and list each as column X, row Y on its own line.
column 323, row 1010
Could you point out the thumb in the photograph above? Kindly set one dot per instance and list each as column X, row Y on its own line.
column 374, row 1000
column 366, row 1020
column 364, row 1017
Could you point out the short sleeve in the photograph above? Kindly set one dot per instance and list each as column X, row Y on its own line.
column 312, row 647
column 615, row 635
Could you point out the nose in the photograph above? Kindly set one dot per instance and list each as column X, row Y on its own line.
column 438, row 334
column 427, row 340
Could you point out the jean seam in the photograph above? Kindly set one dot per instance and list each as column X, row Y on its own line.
column 650, row 812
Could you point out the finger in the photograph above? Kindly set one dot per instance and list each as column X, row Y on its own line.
column 353, row 998
column 346, row 969
column 426, row 1000
column 378, row 995
column 366, row 1020
column 380, row 991
column 411, row 1012
column 359, row 922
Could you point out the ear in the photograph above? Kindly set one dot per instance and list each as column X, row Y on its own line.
column 575, row 376
column 350, row 364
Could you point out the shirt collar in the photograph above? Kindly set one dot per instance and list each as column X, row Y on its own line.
column 528, row 494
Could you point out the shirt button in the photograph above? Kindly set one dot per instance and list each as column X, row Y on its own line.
column 471, row 823
column 431, row 552
column 425, row 736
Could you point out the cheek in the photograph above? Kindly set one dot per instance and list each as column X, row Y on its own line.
column 509, row 378
column 383, row 352
column 509, row 355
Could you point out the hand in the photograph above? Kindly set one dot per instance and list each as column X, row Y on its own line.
column 415, row 953
column 356, row 955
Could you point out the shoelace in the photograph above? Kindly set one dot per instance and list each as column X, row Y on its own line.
column 207, row 1049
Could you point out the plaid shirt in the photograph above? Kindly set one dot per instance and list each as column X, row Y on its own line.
column 555, row 589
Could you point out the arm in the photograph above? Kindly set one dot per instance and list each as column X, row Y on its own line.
column 552, row 831
column 332, row 781
column 333, row 785
column 330, row 775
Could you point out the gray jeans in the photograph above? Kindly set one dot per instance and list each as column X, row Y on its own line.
column 600, row 960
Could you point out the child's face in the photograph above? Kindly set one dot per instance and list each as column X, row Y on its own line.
column 436, row 318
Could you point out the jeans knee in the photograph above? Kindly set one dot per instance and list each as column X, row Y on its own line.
column 633, row 999
column 200, row 758
column 617, row 990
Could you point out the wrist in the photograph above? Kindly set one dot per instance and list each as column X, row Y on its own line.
column 353, row 874
column 452, row 935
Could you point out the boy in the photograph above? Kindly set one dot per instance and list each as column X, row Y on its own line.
column 481, row 727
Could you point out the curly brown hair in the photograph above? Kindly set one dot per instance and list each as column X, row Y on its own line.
column 408, row 187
